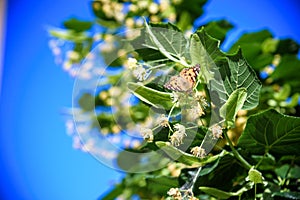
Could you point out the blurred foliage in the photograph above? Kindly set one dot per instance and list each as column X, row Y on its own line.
column 258, row 91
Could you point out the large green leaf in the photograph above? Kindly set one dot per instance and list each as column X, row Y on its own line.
column 272, row 132
column 236, row 73
column 206, row 42
column 252, row 44
column 234, row 103
column 150, row 96
column 168, row 40
column 224, row 73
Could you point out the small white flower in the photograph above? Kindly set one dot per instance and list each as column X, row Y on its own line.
column 142, row 4
column 175, row 193
column 164, row 5
column 198, row 152
column 163, row 121
column 202, row 100
column 140, row 73
column 178, row 136
column 73, row 55
column 216, row 131
column 147, row 134
column 180, row 128
column 195, row 112
column 132, row 63
column 153, row 8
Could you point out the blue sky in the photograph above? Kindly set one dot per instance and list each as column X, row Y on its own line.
column 36, row 156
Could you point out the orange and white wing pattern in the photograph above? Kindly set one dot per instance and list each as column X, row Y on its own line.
column 185, row 81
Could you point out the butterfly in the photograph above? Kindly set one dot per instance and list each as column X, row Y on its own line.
column 185, row 81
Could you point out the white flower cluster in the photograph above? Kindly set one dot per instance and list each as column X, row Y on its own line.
column 147, row 134
column 163, row 121
column 198, row 152
column 178, row 136
column 137, row 69
column 216, row 131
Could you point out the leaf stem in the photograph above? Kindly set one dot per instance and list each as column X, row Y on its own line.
column 236, row 153
column 169, row 115
column 255, row 191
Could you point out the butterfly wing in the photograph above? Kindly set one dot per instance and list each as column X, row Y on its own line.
column 185, row 81
column 191, row 74
column 179, row 84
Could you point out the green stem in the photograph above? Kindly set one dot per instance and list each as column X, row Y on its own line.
column 255, row 191
column 260, row 161
column 236, row 154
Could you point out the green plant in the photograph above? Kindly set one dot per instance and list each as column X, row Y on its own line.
column 222, row 129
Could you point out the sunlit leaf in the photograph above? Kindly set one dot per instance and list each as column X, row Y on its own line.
column 234, row 103
column 150, row 96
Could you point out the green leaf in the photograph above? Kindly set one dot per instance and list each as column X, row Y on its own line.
column 287, row 195
column 77, row 25
column 87, row 102
column 150, row 96
column 217, row 193
column 225, row 195
column 168, row 40
column 224, row 175
column 265, row 162
column 183, row 157
column 209, row 169
column 161, row 184
column 288, row 171
column 237, row 73
column 177, row 154
column 255, row 39
column 283, row 93
column 234, row 103
column 226, row 73
column 288, row 72
column 287, row 46
column 199, row 55
column 252, row 44
column 207, row 43
column 294, row 101
column 282, row 171
column 272, row 132
column 218, row 29
column 132, row 161
column 69, row 35
column 204, row 50
column 194, row 8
